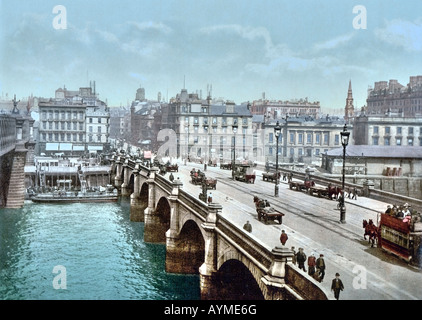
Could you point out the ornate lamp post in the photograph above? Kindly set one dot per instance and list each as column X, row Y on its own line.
column 277, row 131
column 206, row 154
column 344, row 141
column 234, row 126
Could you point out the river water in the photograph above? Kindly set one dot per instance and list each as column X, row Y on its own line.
column 85, row 252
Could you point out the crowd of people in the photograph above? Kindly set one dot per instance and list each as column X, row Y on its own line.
column 401, row 212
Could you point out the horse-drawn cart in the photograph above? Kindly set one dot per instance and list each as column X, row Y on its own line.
column 266, row 176
column 226, row 166
column 299, row 186
column 211, row 183
column 266, row 212
column 327, row 192
column 172, row 167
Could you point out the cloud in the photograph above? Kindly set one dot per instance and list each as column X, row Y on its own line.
column 405, row 34
column 334, row 43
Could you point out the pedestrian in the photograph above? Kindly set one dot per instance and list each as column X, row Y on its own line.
column 337, row 286
column 290, row 177
column 355, row 194
column 247, row 226
column 301, row 258
column 311, row 264
column 284, row 176
column 283, row 237
column 320, row 265
column 210, row 198
column 294, row 255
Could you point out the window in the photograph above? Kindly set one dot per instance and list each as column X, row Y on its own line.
column 325, row 138
column 270, row 151
column 81, row 137
column 398, row 130
column 90, row 128
column 317, row 152
column 245, row 121
column 376, row 130
column 375, row 141
column 410, row 142
column 50, row 125
column 292, row 137
column 214, row 120
column 318, row 138
column 270, row 137
column 99, row 120
column 300, row 137
column 99, row 129
column 398, row 142
column 90, row 120
column 387, row 141
column 411, row 131
column 309, row 138
column 75, row 126
column 337, row 139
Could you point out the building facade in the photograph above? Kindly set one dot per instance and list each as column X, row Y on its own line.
column 277, row 109
column 209, row 130
column 73, row 125
column 303, row 139
column 392, row 96
column 388, row 130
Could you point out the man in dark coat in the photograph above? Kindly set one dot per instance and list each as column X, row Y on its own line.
column 337, row 286
column 301, row 258
column 320, row 265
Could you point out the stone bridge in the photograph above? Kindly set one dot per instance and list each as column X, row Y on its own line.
column 231, row 264
column 16, row 148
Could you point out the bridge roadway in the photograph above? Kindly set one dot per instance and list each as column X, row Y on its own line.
column 313, row 224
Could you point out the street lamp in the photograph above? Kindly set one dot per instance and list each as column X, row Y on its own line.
column 344, row 141
column 285, row 135
column 277, row 131
column 234, row 127
column 206, row 155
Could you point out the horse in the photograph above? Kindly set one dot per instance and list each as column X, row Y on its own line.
column 334, row 191
column 370, row 230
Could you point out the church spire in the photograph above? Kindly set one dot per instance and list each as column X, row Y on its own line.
column 349, row 109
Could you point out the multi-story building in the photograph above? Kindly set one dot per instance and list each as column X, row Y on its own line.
column 391, row 129
column 209, row 130
column 73, row 124
column 394, row 97
column 302, row 139
column 277, row 109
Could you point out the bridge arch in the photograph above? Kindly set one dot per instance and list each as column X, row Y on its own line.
column 237, row 282
column 162, row 214
column 186, row 253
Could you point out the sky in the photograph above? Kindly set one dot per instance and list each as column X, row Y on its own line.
column 287, row 49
